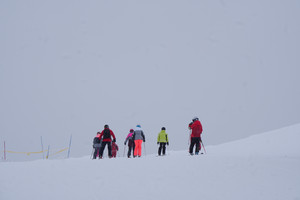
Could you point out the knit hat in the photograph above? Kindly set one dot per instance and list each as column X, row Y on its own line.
column 139, row 126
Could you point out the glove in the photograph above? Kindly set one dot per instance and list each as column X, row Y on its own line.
column 124, row 143
column 168, row 143
column 191, row 123
column 114, row 140
column 144, row 140
column 157, row 142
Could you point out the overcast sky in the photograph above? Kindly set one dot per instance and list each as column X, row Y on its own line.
column 70, row 67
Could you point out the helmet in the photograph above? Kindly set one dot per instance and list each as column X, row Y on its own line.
column 163, row 128
column 106, row 126
column 195, row 119
column 139, row 126
column 131, row 130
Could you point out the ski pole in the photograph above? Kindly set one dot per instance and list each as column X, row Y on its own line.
column 4, row 153
column 189, row 140
column 124, row 150
column 92, row 153
column 48, row 152
column 166, row 152
column 69, row 147
column 158, row 145
column 42, row 147
column 203, row 146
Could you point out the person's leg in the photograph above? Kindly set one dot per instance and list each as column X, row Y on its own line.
column 135, row 148
column 102, row 149
column 109, row 149
column 112, row 153
column 140, row 152
column 129, row 151
column 159, row 149
column 97, row 150
column 199, row 147
column 192, row 145
column 95, row 153
column 138, row 148
column 197, row 141
column 164, row 148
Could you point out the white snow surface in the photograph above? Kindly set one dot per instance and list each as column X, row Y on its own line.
column 264, row 166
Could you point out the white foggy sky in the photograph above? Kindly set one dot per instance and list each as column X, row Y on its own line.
column 69, row 67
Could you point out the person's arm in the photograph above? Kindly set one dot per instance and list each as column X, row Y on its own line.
column 143, row 136
column 192, row 125
column 127, row 138
column 133, row 136
column 201, row 128
column 101, row 134
column 113, row 135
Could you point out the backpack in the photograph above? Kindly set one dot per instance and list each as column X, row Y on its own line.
column 130, row 141
column 106, row 133
column 96, row 140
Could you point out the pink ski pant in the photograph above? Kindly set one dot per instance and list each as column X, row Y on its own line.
column 138, row 147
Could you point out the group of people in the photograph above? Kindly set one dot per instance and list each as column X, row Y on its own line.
column 136, row 137
column 101, row 140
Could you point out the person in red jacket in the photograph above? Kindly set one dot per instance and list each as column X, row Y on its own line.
column 106, row 135
column 196, row 128
column 114, row 149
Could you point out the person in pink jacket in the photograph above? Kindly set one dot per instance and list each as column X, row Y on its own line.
column 130, row 141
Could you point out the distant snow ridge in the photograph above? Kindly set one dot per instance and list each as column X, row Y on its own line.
column 281, row 142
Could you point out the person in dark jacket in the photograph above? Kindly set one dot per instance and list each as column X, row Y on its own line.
column 106, row 135
column 96, row 145
column 196, row 128
column 130, row 141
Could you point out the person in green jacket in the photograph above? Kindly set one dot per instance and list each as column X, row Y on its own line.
column 162, row 140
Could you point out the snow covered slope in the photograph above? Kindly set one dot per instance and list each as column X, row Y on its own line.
column 261, row 167
column 281, row 142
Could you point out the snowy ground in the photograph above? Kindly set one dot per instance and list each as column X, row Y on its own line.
column 261, row 167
